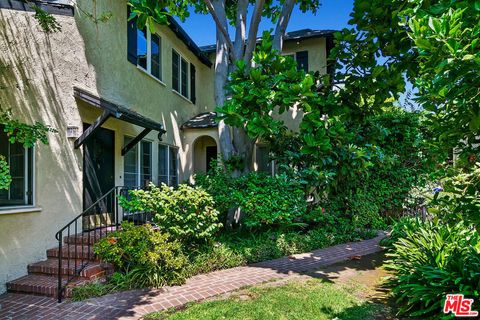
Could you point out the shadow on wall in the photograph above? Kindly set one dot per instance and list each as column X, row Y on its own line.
column 34, row 84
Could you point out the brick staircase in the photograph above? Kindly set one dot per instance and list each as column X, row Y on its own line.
column 42, row 278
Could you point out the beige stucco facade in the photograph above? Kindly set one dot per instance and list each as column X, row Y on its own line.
column 38, row 72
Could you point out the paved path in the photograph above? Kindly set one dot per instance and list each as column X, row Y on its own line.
column 135, row 304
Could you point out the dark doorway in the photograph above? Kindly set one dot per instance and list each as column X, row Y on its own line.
column 211, row 153
column 98, row 169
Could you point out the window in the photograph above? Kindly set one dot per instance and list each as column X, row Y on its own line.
column 145, row 49
column 137, row 164
column 301, row 58
column 20, row 160
column 167, row 165
column 183, row 76
column 149, row 55
column 264, row 164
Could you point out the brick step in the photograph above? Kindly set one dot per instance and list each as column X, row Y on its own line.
column 92, row 270
column 68, row 251
column 90, row 237
column 42, row 285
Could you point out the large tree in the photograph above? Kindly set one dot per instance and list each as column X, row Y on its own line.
column 244, row 16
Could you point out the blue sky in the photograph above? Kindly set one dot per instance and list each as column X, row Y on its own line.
column 333, row 14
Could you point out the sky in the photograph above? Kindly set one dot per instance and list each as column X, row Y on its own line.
column 333, row 14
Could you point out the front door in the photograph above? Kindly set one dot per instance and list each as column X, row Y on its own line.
column 98, row 170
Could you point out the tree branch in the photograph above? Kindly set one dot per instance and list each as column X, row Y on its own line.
column 282, row 24
column 253, row 30
column 241, row 28
column 219, row 8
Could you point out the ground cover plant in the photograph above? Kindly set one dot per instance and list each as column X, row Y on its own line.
column 430, row 260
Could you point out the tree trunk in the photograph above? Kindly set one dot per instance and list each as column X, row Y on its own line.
column 282, row 24
column 220, row 79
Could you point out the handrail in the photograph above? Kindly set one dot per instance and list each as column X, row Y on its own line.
column 108, row 206
column 86, row 210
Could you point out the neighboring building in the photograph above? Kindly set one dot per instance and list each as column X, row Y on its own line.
column 129, row 84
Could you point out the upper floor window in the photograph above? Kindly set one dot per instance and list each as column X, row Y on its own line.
column 183, row 76
column 301, row 57
column 20, row 161
column 145, row 49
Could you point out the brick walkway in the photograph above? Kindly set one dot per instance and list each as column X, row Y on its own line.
column 134, row 304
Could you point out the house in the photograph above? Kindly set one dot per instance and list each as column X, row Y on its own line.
column 130, row 106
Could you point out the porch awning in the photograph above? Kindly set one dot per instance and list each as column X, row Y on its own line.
column 118, row 112
column 201, row 121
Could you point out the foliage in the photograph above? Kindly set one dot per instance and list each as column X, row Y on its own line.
column 460, row 198
column 314, row 299
column 19, row 132
column 430, row 260
column 239, row 248
column 272, row 84
column 264, row 200
column 148, row 256
column 5, row 177
column 435, row 44
column 23, row 133
column 187, row 213
column 46, row 20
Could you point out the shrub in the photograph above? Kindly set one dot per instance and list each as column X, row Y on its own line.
column 186, row 213
column 263, row 199
column 146, row 255
column 430, row 260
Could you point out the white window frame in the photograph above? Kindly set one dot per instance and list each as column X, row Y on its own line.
column 26, row 181
column 149, row 56
column 138, row 156
column 168, row 162
column 180, row 57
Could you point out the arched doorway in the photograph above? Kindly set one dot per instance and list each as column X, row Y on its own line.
column 204, row 151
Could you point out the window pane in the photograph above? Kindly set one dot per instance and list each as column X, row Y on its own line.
column 20, row 161
column 130, row 171
column 162, row 164
column 173, row 167
column 142, row 48
column 184, row 78
column 175, row 71
column 156, row 58
column 263, row 159
column 146, row 163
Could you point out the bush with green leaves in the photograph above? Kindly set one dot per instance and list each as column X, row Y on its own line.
column 187, row 213
column 148, row 256
column 460, row 196
column 431, row 259
column 264, row 200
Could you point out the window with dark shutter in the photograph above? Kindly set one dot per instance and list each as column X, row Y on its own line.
column 193, row 96
column 175, row 71
column 131, row 39
column 302, row 60
column 184, row 75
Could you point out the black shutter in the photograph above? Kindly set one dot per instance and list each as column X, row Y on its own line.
column 131, row 39
column 175, row 69
column 193, row 97
column 302, row 60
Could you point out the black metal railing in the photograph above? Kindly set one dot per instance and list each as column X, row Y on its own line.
column 79, row 235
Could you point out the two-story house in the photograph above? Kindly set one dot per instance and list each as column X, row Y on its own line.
column 130, row 107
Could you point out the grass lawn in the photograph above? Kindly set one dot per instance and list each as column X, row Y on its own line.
column 338, row 292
